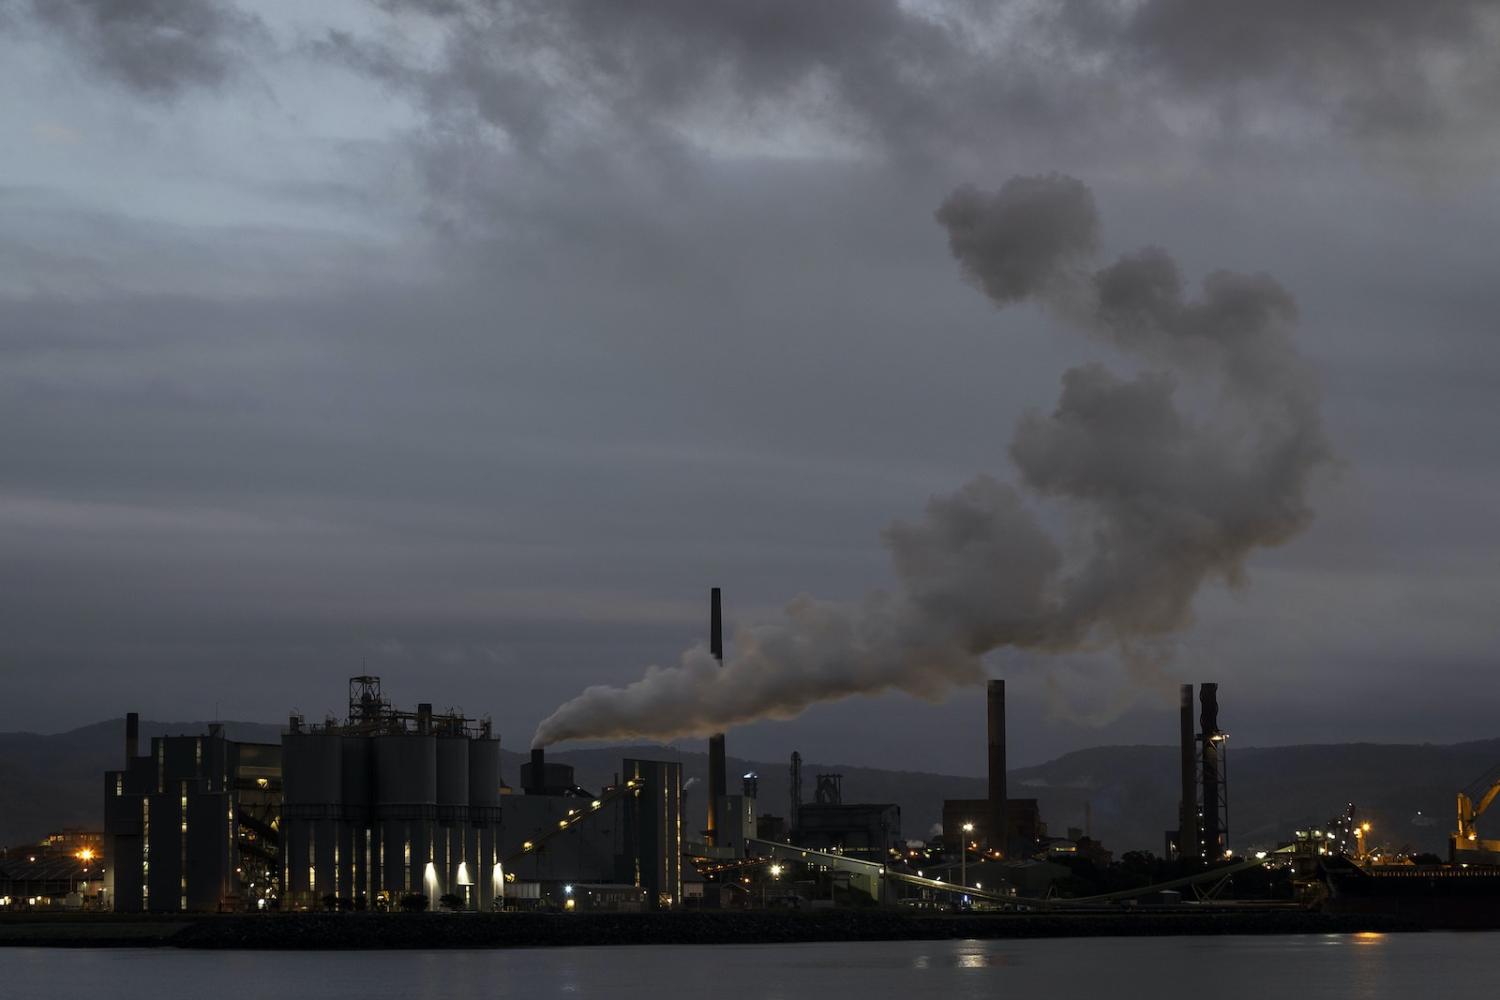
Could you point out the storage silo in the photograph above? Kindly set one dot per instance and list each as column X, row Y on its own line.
column 484, row 817
column 311, row 806
column 355, row 840
column 406, row 802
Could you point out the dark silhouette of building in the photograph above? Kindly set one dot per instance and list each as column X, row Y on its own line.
column 193, row 826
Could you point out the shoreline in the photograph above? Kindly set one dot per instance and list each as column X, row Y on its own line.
column 361, row 932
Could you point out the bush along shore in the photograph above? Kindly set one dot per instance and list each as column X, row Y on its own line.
column 516, row 930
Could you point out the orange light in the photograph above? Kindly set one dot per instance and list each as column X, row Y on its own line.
column 86, row 854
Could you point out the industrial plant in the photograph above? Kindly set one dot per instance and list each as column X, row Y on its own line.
column 393, row 809
column 390, row 809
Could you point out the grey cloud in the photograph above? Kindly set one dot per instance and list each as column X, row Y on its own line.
column 155, row 47
column 1375, row 68
column 604, row 82
column 964, row 83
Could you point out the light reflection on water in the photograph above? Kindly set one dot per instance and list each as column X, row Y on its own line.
column 1308, row 967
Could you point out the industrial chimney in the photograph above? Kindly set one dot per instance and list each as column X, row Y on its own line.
column 1214, row 834
column 998, row 818
column 794, row 813
column 717, row 779
column 1187, row 820
column 132, row 736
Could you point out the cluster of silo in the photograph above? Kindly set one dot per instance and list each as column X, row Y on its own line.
column 375, row 813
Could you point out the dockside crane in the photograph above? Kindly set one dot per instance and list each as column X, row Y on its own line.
column 1467, row 847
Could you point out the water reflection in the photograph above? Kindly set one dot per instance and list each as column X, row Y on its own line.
column 1375, row 966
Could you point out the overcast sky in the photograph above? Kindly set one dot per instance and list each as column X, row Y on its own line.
column 469, row 343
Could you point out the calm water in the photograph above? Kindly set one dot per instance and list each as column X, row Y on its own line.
column 1365, row 966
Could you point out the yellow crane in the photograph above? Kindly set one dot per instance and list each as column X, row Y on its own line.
column 1467, row 847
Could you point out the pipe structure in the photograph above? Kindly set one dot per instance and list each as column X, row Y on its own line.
column 717, row 778
column 1188, row 845
column 998, row 818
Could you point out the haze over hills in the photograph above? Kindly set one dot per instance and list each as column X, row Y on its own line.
column 1406, row 790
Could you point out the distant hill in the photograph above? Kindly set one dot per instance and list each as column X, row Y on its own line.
column 1406, row 791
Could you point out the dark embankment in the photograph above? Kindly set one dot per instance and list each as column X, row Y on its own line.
column 89, row 930
column 548, row 930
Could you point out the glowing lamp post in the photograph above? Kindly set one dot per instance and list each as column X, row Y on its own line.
column 963, row 856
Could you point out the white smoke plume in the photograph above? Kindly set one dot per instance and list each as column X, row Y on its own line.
column 1160, row 497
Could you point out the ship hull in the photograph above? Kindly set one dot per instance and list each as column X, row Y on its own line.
column 1433, row 897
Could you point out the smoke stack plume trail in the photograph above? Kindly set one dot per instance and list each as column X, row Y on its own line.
column 1166, row 496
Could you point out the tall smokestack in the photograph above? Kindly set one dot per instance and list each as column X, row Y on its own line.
column 716, row 624
column 132, row 736
column 1187, row 819
column 794, row 813
column 717, row 779
column 1208, row 723
column 999, row 825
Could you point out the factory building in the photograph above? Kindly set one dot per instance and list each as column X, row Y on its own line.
column 1024, row 836
column 863, row 830
column 193, row 826
column 390, row 804
column 997, row 825
column 560, row 837
column 737, row 821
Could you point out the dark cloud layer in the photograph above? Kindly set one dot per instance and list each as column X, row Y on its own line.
column 1378, row 67
column 156, row 47
column 468, row 342
column 964, row 80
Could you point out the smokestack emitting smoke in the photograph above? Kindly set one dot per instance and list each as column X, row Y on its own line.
column 1164, row 498
column 717, row 783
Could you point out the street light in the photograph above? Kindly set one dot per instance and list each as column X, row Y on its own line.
column 775, row 871
column 963, row 856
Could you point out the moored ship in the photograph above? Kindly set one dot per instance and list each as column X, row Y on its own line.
column 1433, row 895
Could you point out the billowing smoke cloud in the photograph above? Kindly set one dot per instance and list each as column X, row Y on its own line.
column 1161, row 496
